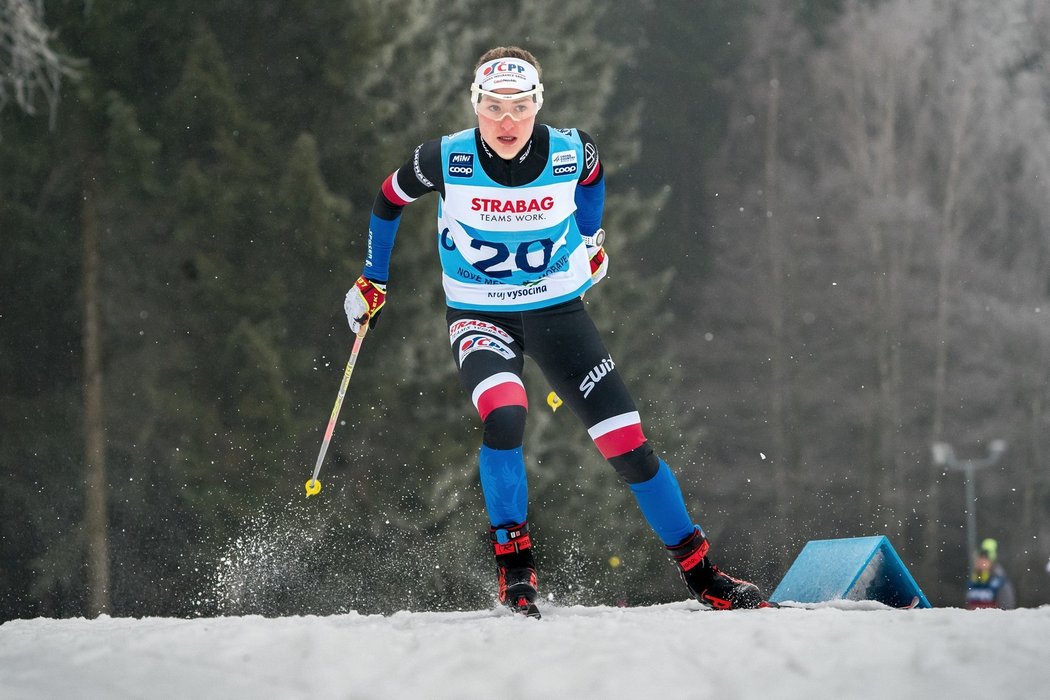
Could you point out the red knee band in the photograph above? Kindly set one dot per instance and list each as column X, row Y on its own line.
column 503, row 389
column 618, row 435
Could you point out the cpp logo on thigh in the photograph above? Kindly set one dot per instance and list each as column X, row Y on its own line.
column 473, row 343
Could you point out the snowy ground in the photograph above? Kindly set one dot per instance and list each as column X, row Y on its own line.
column 840, row 650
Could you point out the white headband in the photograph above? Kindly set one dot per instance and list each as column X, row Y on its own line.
column 507, row 73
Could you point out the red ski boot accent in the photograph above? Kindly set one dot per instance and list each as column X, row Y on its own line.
column 516, row 568
column 712, row 587
column 523, row 606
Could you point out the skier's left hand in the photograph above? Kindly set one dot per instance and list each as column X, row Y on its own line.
column 596, row 252
column 599, row 258
column 599, row 265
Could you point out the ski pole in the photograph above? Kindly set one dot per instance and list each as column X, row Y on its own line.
column 313, row 486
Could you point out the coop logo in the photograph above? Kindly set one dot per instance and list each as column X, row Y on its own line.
column 461, row 164
column 564, row 163
column 511, row 206
column 503, row 67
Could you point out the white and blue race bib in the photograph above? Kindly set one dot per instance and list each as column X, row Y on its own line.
column 511, row 248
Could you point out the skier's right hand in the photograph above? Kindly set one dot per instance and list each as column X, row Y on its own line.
column 363, row 303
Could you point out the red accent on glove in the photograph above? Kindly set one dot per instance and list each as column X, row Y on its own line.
column 597, row 260
column 374, row 296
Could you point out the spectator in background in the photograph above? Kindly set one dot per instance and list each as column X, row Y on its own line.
column 989, row 586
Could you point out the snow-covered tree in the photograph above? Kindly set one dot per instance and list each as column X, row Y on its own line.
column 31, row 69
column 907, row 201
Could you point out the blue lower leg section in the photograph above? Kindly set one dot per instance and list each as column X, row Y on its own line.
column 504, row 485
column 660, row 499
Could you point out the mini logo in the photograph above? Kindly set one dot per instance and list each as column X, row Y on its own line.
column 461, row 164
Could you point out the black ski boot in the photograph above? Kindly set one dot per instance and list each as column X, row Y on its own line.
column 713, row 588
column 516, row 568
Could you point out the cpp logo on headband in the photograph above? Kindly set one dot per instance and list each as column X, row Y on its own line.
column 503, row 67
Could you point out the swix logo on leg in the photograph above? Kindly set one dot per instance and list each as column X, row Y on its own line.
column 596, row 374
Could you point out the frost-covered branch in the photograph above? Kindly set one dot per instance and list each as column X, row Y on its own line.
column 29, row 67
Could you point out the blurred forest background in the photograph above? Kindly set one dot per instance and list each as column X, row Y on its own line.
column 830, row 239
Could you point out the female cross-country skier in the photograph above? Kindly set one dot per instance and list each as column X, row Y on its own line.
column 519, row 236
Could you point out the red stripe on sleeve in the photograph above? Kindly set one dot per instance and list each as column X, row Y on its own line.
column 505, row 394
column 391, row 194
column 620, row 441
column 593, row 175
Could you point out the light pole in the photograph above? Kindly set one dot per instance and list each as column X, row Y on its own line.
column 944, row 456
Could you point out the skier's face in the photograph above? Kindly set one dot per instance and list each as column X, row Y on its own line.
column 504, row 135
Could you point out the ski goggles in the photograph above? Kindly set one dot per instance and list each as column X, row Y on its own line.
column 519, row 106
